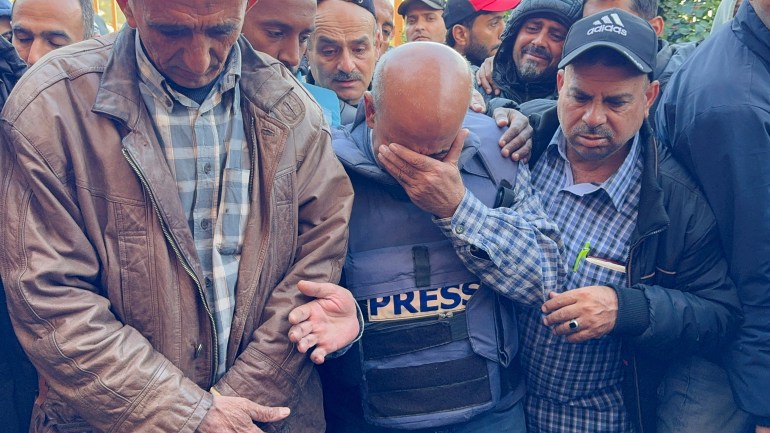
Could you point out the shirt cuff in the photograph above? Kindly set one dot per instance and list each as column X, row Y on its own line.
column 467, row 222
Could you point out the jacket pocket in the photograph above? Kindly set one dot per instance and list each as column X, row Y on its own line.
column 135, row 255
column 284, row 228
column 233, row 212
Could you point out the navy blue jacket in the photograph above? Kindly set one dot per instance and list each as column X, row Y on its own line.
column 715, row 115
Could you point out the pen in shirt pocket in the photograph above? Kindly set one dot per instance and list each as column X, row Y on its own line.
column 581, row 255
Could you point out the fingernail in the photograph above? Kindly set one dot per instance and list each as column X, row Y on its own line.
column 284, row 411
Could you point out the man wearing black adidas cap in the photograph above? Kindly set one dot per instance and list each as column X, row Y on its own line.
column 647, row 286
column 423, row 20
column 474, row 27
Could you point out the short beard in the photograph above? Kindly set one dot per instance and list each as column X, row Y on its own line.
column 476, row 53
column 530, row 71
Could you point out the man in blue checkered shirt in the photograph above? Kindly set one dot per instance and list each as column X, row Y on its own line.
column 647, row 287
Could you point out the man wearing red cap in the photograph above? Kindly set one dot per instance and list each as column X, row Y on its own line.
column 158, row 226
column 474, row 27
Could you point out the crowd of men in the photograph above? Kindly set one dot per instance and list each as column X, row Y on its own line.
column 258, row 215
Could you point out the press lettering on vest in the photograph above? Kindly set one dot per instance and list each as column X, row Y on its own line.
column 405, row 302
column 421, row 303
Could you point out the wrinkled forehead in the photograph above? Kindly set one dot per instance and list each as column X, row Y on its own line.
column 274, row 12
column 191, row 9
column 344, row 21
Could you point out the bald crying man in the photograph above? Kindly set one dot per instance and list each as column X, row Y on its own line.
column 451, row 267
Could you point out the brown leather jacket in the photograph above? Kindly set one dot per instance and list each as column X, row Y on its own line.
column 102, row 277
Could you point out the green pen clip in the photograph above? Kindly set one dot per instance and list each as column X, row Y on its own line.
column 581, row 255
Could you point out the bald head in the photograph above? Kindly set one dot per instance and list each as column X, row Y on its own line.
column 419, row 98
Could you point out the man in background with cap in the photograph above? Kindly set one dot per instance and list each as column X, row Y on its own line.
column 423, row 20
column 648, row 285
column 474, row 26
column 343, row 49
column 526, row 62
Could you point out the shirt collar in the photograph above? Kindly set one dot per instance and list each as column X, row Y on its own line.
column 156, row 82
column 617, row 186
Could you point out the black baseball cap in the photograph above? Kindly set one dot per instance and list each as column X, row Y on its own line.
column 366, row 4
column 403, row 8
column 617, row 29
column 457, row 11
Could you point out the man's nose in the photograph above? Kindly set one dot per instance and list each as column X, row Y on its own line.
column 37, row 49
column 540, row 39
column 346, row 63
column 595, row 115
column 197, row 56
column 290, row 54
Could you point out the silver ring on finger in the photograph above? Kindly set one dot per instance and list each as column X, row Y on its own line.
column 573, row 325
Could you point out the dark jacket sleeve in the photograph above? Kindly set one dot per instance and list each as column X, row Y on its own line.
column 731, row 157
column 689, row 305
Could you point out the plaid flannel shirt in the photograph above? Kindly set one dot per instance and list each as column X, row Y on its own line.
column 577, row 387
column 522, row 246
column 207, row 152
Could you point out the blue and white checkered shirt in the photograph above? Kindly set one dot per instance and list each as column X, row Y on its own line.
column 207, row 152
column 577, row 387
column 523, row 246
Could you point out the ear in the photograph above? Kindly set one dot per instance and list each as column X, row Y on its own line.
column 128, row 12
column 377, row 41
column 658, row 25
column 460, row 33
column 651, row 94
column 559, row 80
column 369, row 109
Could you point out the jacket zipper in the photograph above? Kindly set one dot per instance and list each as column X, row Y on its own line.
column 636, row 372
column 182, row 260
column 253, row 125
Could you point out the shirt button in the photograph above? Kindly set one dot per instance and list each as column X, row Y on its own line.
column 205, row 224
column 460, row 229
column 207, row 168
column 208, row 282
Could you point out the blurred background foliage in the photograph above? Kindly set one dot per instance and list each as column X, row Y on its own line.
column 687, row 20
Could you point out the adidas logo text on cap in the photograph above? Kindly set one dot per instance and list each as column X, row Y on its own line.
column 608, row 23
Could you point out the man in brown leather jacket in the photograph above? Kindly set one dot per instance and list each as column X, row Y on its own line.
column 118, row 278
